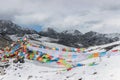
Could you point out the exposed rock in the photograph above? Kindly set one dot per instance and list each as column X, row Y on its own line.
column 77, row 39
column 4, row 41
column 8, row 27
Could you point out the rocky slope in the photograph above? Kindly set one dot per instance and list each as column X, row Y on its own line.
column 8, row 27
column 77, row 39
column 4, row 41
column 68, row 38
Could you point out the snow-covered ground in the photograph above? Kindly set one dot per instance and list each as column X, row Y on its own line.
column 46, row 41
column 105, row 45
column 107, row 69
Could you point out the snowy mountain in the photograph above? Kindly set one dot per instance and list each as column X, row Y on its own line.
column 105, row 68
column 8, row 27
column 72, row 38
column 53, row 43
column 77, row 39
column 113, row 35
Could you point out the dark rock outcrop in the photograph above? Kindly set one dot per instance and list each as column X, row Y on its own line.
column 8, row 27
column 4, row 41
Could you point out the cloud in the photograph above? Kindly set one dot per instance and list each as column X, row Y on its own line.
column 84, row 15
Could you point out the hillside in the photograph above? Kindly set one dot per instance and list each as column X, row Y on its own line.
column 8, row 27
column 107, row 68
column 77, row 39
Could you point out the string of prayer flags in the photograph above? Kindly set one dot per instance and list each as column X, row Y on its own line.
column 114, row 50
column 96, row 55
column 90, row 56
column 102, row 54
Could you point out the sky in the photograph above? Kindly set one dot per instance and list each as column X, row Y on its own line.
column 85, row 15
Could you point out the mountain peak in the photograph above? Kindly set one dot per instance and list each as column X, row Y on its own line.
column 8, row 27
column 72, row 32
column 77, row 32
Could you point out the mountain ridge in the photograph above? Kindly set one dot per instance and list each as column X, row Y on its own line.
column 8, row 27
column 75, row 37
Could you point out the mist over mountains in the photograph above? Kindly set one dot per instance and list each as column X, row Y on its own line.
column 69, row 38
column 78, row 39
column 8, row 27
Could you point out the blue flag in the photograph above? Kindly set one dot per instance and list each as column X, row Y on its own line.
column 102, row 54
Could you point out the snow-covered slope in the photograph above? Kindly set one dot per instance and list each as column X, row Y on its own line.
column 103, row 47
column 113, row 35
column 107, row 69
column 47, row 39
column 51, row 42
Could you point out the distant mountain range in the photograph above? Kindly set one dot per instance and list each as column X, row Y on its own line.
column 8, row 27
column 69, row 38
column 78, row 39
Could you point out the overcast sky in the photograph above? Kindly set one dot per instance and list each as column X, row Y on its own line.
column 85, row 15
